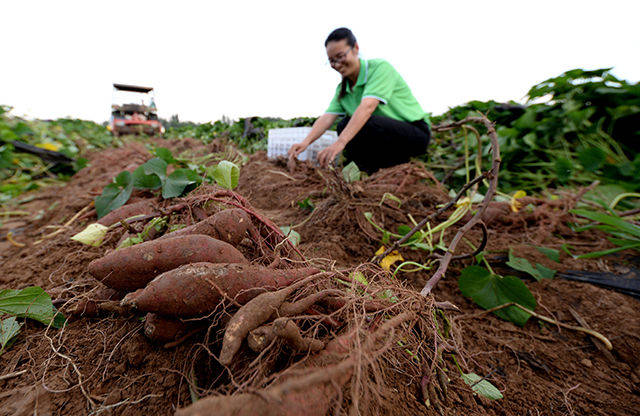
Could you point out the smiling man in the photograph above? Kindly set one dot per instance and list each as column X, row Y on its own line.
column 383, row 124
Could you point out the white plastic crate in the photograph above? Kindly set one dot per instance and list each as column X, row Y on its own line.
column 280, row 140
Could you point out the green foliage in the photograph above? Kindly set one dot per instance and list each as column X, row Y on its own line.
column 481, row 386
column 179, row 182
column 114, row 195
column 249, row 134
column 158, row 224
column 539, row 272
column 9, row 328
column 22, row 172
column 291, row 235
column 152, row 175
column 490, row 290
column 306, row 204
column 31, row 302
column 575, row 128
column 624, row 234
column 551, row 254
column 351, row 173
column 226, row 174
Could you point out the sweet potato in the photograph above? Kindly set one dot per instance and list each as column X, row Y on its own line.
column 196, row 289
column 162, row 329
column 133, row 267
column 230, row 225
column 256, row 312
column 127, row 211
column 284, row 328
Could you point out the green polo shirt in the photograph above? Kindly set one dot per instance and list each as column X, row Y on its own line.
column 379, row 80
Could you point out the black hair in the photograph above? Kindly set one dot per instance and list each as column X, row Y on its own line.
column 342, row 33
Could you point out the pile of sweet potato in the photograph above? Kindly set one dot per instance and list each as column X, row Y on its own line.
column 197, row 276
column 186, row 273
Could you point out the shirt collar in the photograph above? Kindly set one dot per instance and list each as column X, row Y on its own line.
column 362, row 75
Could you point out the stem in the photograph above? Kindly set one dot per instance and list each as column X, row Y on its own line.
column 492, row 174
column 422, row 223
column 591, row 332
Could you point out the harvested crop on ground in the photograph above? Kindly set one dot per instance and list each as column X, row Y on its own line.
column 196, row 289
column 131, row 268
column 127, row 211
column 307, row 322
column 229, row 225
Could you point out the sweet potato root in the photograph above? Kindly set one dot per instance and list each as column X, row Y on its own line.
column 133, row 267
column 230, row 225
column 127, row 211
column 310, row 395
column 286, row 329
column 88, row 306
column 196, row 289
column 162, row 329
column 256, row 312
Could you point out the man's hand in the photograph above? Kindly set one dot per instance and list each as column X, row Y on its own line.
column 296, row 149
column 329, row 154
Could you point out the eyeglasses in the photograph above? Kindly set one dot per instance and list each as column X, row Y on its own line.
column 339, row 58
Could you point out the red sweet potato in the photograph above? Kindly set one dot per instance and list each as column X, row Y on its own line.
column 133, row 267
column 230, row 225
column 196, row 289
column 127, row 211
column 162, row 329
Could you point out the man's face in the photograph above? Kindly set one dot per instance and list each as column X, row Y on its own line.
column 342, row 57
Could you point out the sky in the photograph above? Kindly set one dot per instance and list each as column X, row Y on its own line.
column 210, row 59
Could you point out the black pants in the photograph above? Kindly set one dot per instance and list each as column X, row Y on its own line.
column 383, row 142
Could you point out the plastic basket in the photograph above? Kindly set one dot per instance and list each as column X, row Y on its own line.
column 280, row 140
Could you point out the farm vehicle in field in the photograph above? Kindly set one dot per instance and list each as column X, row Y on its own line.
column 133, row 111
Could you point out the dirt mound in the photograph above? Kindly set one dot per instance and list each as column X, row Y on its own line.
column 541, row 369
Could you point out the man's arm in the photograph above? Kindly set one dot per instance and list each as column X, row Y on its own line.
column 360, row 116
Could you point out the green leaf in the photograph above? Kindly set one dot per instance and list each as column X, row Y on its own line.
column 351, row 173
column 595, row 254
column 178, row 182
column 130, row 241
column 115, row 194
column 614, row 221
column 490, row 290
column 592, row 158
column 403, row 229
column 359, row 277
column 390, row 196
column 291, row 235
column 306, row 204
column 563, row 169
column 92, row 235
column 156, row 166
column 539, row 272
column 482, row 386
column 31, row 302
column 552, row 254
column 9, row 328
column 530, row 139
column 226, row 174
column 165, row 154
column 79, row 164
column 143, row 181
